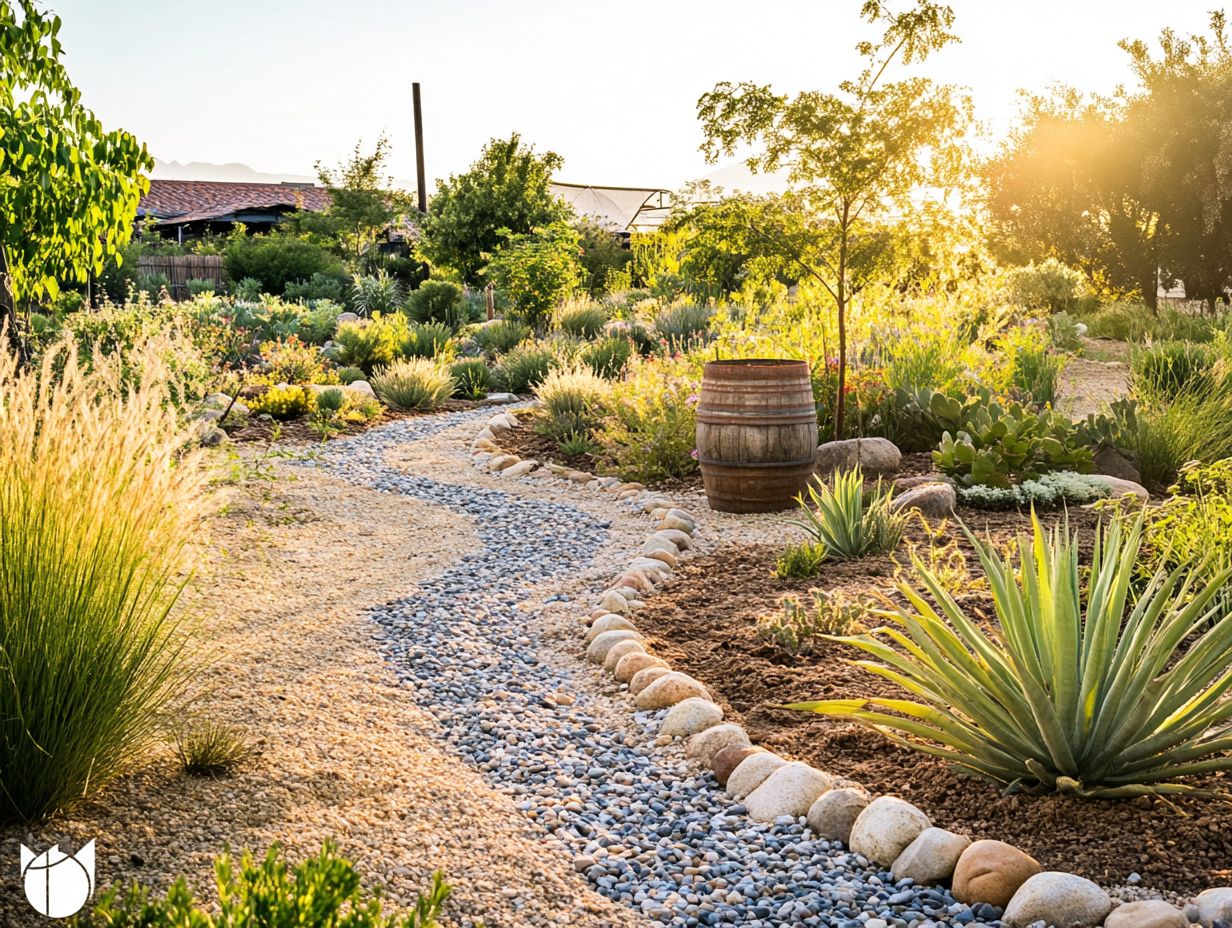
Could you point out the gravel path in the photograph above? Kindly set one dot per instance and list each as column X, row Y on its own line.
column 487, row 646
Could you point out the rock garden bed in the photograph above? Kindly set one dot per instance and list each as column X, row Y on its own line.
column 710, row 631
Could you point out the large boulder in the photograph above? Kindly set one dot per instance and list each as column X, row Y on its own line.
column 752, row 771
column 884, row 829
column 1111, row 462
column 992, row 871
column 932, row 500
column 668, row 690
column 706, row 744
column 1118, row 487
column 876, row 457
column 1061, row 900
column 834, row 812
column 1148, row 913
column 790, row 790
column 931, row 857
column 690, row 716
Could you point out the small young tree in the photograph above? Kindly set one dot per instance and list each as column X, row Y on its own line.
column 363, row 202
column 68, row 189
column 505, row 193
column 853, row 158
column 537, row 271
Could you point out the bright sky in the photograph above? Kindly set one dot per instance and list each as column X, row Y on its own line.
column 611, row 86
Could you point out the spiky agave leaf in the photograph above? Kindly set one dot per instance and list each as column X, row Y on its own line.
column 1103, row 695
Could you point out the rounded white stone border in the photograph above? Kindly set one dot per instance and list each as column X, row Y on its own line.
column 888, row 831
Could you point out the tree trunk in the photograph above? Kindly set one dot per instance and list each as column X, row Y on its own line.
column 10, row 327
column 840, row 403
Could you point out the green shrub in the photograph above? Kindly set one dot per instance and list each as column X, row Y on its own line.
column 1135, row 322
column 574, row 402
column 426, row 340
column 348, row 375
column 684, row 324
column 210, row 749
column 537, row 271
column 365, row 344
column 322, row 892
column 438, row 301
column 798, row 561
column 524, row 367
column 583, row 319
column 844, row 523
column 800, row 626
column 198, row 286
column 1047, row 285
column 291, row 361
column 1046, row 492
column 331, row 400
column 1193, row 526
column 318, row 324
column 1088, row 687
column 276, row 260
column 283, row 402
column 317, row 287
column 650, row 435
column 1063, row 333
column 247, row 290
column 415, row 383
column 1165, row 371
column 1035, row 370
column 97, row 504
column 472, row 379
column 609, row 356
column 998, row 446
column 503, row 335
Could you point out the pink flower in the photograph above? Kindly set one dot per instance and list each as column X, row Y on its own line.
column 693, row 399
column 693, row 454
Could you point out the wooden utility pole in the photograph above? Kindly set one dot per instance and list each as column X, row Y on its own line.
column 421, row 182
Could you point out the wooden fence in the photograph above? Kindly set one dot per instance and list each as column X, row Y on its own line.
column 180, row 269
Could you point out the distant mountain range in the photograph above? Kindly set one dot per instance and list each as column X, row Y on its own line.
column 731, row 177
column 231, row 173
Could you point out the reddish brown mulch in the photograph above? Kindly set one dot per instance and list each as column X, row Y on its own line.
column 708, row 629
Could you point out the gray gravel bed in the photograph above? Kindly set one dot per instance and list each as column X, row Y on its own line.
column 646, row 828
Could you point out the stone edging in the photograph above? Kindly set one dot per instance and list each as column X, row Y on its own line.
column 887, row 831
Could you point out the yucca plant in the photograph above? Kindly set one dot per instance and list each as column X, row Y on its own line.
column 1087, row 688
column 845, row 523
column 98, row 502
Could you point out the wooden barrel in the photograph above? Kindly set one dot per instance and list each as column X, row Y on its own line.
column 756, row 434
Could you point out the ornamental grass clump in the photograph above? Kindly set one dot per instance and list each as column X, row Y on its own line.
column 98, row 501
column 413, row 383
column 848, row 523
column 574, row 402
column 1089, row 687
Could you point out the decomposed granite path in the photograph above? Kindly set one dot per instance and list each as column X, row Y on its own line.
column 490, row 648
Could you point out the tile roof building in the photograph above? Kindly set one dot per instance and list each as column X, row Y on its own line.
column 189, row 207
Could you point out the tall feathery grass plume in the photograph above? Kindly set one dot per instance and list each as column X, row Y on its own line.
column 99, row 499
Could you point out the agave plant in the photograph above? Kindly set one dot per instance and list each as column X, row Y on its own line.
column 844, row 523
column 1087, row 688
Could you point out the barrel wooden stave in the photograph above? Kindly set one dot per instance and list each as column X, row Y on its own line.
column 756, row 434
